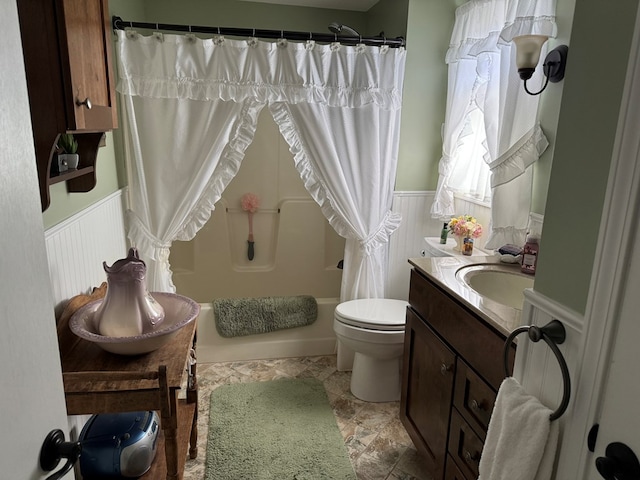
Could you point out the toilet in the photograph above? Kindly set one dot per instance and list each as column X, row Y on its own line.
column 373, row 329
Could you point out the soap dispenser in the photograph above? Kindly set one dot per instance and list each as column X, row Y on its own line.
column 530, row 254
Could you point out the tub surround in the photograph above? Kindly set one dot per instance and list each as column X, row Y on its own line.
column 442, row 272
column 452, row 365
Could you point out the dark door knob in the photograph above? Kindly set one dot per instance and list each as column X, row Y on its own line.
column 619, row 463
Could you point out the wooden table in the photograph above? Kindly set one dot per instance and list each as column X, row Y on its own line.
column 96, row 381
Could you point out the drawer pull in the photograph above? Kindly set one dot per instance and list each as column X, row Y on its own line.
column 86, row 103
column 471, row 457
column 444, row 368
column 477, row 406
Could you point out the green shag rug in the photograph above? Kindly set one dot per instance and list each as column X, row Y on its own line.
column 277, row 430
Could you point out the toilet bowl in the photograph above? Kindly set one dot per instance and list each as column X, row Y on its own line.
column 374, row 329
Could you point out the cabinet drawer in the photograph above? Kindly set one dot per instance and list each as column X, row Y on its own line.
column 465, row 446
column 452, row 471
column 473, row 398
column 471, row 337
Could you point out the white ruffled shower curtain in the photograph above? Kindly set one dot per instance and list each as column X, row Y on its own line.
column 192, row 107
column 483, row 75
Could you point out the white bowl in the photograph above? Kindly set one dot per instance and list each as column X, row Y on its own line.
column 179, row 311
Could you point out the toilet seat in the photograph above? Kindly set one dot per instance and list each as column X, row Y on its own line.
column 373, row 313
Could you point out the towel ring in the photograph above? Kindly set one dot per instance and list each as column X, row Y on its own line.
column 553, row 333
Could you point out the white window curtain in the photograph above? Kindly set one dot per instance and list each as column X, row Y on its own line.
column 490, row 122
column 338, row 107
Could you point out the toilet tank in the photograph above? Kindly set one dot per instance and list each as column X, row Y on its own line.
column 433, row 248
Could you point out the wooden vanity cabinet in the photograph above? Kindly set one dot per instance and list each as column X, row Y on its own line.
column 67, row 55
column 452, row 369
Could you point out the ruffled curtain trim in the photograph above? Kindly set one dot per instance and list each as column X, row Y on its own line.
column 227, row 168
column 519, row 157
column 320, row 193
column 146, row 242
column 320, row 79
column 501, row 236
column 543, row 25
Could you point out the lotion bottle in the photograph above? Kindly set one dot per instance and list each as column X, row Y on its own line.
column 530, row 254
column 444, row 233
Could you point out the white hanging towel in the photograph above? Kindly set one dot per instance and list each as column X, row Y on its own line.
column 521, row 440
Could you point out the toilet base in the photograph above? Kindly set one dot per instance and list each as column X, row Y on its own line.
column 375, row 380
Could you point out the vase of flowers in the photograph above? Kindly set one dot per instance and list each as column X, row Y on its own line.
column 464, row 226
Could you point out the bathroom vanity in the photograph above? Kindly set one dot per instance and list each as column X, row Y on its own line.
column 452, row 365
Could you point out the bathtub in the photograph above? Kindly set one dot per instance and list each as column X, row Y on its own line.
column 315, row 339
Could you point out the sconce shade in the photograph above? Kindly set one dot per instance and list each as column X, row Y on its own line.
column 528, row 53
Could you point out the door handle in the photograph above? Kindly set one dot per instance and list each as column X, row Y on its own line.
column 54, row 449
column 619, row 463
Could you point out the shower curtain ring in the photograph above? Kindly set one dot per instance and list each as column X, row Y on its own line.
column 218, row 30
column 157, row 26
column 254, row 32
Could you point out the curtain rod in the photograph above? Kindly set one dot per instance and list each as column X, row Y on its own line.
column 120, row 24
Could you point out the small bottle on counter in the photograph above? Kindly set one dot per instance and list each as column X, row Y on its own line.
column 530, row 254
column 467, row 246
column 444, row 233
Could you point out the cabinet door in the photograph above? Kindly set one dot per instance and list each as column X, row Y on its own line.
column 427, row 391
column 85, row 49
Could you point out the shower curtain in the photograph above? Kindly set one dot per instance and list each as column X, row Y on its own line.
column 192, row 105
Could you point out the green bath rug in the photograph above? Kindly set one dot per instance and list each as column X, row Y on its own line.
column 277, row 430
column 236, row 317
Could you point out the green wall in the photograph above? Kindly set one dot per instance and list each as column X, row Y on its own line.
column 595, row 75
column 429, row 28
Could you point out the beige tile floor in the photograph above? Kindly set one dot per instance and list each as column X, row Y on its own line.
column 378, row 444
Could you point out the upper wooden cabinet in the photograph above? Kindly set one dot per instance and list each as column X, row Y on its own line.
column 67, row 54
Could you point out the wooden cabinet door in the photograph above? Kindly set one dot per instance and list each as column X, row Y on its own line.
column 85, row 48
column 427, row 392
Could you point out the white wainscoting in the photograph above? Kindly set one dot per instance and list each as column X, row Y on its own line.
column 536, row 366
column 407, row 240
column 77, row 246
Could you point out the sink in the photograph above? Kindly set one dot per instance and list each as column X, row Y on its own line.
column 179, row 311
column 500, row 283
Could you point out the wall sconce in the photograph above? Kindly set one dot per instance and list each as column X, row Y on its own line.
column 528, row 54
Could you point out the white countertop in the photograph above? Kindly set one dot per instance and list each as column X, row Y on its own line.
column 442, row 271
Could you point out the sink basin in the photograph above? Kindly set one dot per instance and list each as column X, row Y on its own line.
column 179, row 311
column 502, row 284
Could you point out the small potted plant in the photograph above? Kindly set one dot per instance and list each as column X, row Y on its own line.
column 68, row 157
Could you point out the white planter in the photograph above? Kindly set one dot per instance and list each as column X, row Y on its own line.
column 68, row 161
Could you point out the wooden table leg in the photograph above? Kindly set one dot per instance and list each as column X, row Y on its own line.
column 192, row 397
column 170, row 429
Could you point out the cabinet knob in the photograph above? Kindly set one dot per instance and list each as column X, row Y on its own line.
column 471, row 457
column 444, row 368
column 86, row 103
column 477, row 406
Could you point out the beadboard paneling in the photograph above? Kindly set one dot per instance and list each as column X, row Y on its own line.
column 408, row 240
column 77, row 247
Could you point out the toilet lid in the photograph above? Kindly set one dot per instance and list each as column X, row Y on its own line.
column 373, row 313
